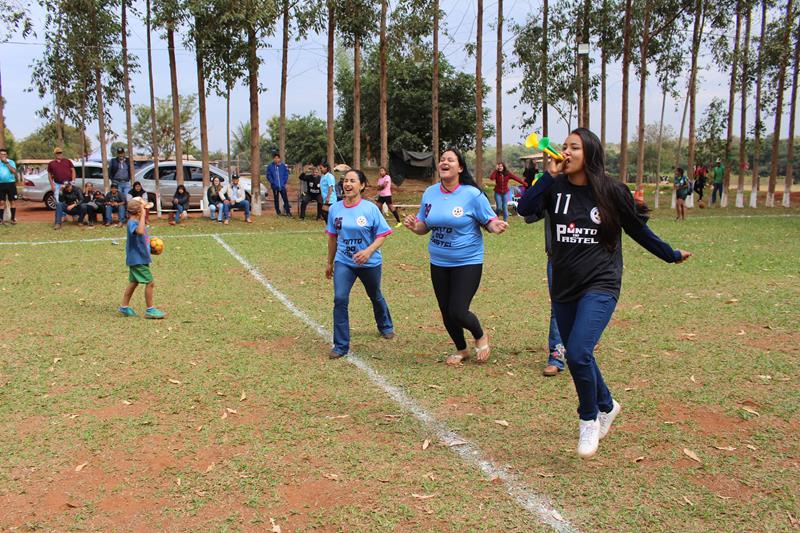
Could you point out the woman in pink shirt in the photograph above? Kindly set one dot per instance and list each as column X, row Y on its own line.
column 500, row 176
column 385, row 194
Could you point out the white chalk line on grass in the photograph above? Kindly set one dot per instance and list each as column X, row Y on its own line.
column 168, row 236
column 531, row 501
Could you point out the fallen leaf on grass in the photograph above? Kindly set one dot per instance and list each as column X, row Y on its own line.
column 332, row 477
column 794, row 522
column 751, row 410
column 724, row 448
column 73, row 505
column 557, row 515
column 437, row 387
column 767, row 377
column 337, row 417
column 751, row 447
column 175, row 381
column 691, row 378
column 732, row 301
column 56, row 360
column 199, row 428
column 510, row 374
column 503, row 423
column 243, row 397
column 426, row 444
column 231, row 411
column 691, row 455
column 639, row 459
column 742, row 332
column 456, row 443
column 224, row 415
column 210, row 468
column 275, row 527
column 73, row 416
column 546, row 474
column 431, row 476
column 178, row 482
column 422, row 496
column 192, row 363
column 126, row 402
column 80, row 467
column 687, row 500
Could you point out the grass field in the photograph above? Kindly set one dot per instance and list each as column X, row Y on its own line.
column 228, row 416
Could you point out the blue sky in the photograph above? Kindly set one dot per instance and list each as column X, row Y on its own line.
column 306, row 86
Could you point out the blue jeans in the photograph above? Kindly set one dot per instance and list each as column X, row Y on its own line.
column 77, row 211
column 343, row 279
column 219, row 211
column 109, row 214
column 582, row 322
column 179, row 209
column 716, row 190
column 282, row 194
column 124, row 187
column 501, row 201
column 244, row 205
column 555, row 348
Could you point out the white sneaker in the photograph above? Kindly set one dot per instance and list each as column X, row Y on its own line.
column 606, row 419
column 589, row 438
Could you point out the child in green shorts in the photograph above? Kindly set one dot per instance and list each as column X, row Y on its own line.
column 137, row 257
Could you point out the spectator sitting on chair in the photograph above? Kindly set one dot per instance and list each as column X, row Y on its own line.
column 215, row 196
column 180, row 202
column 114, row 201
column 278, row 176
column 311, row 193
column 88, row 204
column 70, row 202
column 236, row 198
column 99, row 199
column 138, row 192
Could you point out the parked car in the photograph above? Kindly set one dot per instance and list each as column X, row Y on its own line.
column 37, row 187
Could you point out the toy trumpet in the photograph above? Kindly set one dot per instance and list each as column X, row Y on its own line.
column 543, row 144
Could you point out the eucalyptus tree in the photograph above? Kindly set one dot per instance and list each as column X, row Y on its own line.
column 168, row 16
column 15, row 18
column 479, row 96
column 697, row 37
column 608, row 25
column 154, row 151
column 126, row 80
column 787, row 183
column 758, row 125
column 785, row 34
column 731, row 101
column 744, row 86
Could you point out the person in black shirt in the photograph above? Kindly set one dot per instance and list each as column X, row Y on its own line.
column 309, row 180
column 588, row 211
column 180, row 202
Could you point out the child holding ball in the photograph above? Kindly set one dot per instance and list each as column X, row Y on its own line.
column 137, row 257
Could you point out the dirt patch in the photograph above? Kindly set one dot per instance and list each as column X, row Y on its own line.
column 270, row 346
column 726, row 487
column 118, row 409
column 705, row 420
column 461, row 406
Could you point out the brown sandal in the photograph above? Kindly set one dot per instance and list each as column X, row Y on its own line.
column 456, row 359
column 482, row 353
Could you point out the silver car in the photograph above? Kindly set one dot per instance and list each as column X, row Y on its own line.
column 37, row 186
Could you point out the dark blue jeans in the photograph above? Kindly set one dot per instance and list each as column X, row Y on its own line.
column 554, row 343
column 716, row 190
column 582, row 322
column 244, row 205
column 282, row 193
column 179, row 209
column 343, row 279
column 109, row 213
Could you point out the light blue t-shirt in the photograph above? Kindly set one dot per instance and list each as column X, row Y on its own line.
column 356, row 228
column 455, row 219
column 137, row 247
column 328, row 181
column 6, row 175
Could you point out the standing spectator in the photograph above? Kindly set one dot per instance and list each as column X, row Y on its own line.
column 8, row 186
column 115, row 201
column 309, row 180
column 215, row 197
column 88, row 204
column 70, row 202
column 385, row 194
column 719, row 179
column 278, row 176
column 500, row 177
column 59, row 171
column 180, row 202
column 327, row 188
column 120, row 171
column 236, row 198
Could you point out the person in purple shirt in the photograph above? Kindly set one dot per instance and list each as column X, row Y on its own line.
column 356, row 230
column 278, row 176
column 454, row 211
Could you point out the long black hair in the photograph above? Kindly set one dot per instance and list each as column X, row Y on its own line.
column 465, row 177
column 606, row 189
column 362, row 178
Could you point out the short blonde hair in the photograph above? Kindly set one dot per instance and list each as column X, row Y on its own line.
column 135, row 206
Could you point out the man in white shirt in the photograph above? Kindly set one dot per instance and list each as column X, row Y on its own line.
column 236, row 198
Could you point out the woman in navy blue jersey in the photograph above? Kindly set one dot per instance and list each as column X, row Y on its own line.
column 587, row 212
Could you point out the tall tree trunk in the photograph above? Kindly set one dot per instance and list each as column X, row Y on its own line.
column 176, row 104
column 284, row 74
column 479, row 98
column 658, row 150
column 626, row 66
column 756, row 180
column 2, row 117
column 787, row 183
column 201, row 104
column 743, row 121
column 331, row 32
column 384, row 88
column 545, row 13
column 228, row 126
column 101, row 124
column 680, row 145
column 697, row 35
column 153, row 135
column 435, row 90
column 126, row 81
column 776, row 136
column 357, row 102
column 642, row 88
column 587, row 4
column 498, row 112
column 255, row 137
column 731, row 100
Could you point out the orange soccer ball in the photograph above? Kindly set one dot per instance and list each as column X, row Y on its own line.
column 156, row 246
column 701, row 204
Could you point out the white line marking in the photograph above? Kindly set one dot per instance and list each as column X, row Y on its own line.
column 531, row 501
column 167, row 236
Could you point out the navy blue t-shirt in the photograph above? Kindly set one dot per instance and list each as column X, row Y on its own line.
column 137, row 247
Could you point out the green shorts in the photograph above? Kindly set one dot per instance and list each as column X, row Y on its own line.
column 140, row 274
